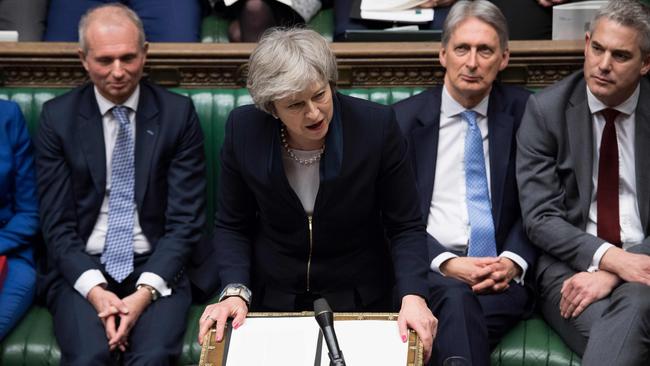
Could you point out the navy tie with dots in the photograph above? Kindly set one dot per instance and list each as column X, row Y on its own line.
column 118, row 249
column 479, row 211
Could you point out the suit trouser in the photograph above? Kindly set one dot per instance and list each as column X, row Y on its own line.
column 470, row 325
column 156, row 338
column 612, row 331
column 163, row 20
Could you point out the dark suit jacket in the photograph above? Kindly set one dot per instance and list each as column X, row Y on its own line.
column 169, row 178
column 419, row 118
column 554, row 171
column 367, row 192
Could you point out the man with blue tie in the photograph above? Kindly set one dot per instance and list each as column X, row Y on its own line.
column 462, row 146
column 120, row 167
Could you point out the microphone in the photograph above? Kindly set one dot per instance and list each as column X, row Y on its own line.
column 325, row 319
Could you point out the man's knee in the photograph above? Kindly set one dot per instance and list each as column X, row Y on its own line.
column 633, row 298
column 454, row 294
column 154, row 356
column 86, row 356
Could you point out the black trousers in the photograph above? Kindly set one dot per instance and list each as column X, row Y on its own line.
column 470, row 325
column 156, row 338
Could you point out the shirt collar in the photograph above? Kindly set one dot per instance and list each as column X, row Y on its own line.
column 106, row 105
column 450, row 107
column 627, row 107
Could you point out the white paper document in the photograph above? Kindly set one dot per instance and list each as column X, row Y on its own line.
column 9, row 36
column 274, row 341
column 369, row 342
column 572, row 20
column 293, row 341
column 230, row 2
column 390, row 5
column 410, row 15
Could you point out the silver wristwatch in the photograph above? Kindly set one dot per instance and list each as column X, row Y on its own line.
column 236, row 289
column 154, row 293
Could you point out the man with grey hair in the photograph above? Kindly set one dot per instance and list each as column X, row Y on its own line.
column 462, row 146
column 121, row 177
column 584, row 180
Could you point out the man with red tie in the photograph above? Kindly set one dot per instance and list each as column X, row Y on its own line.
column 584, row 183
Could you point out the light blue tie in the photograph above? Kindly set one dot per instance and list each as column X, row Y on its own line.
column 118, row 250
column 481, row 242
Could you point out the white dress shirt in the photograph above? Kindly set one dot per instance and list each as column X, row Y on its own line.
column 629, row 217
column 97, row 239
column 448, row 221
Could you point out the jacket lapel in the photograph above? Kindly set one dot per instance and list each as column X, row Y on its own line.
column 425, row 147
column 642, row 163
column 580, row 130
column 275, row 165
column 91, row 138
column 500, row 126
column 146, row 135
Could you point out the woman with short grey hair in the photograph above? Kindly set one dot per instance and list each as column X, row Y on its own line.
column 286, row 62
column 317, row 197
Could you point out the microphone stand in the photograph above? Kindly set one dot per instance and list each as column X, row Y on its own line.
column 325, row 319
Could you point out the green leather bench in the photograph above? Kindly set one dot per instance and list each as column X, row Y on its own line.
column 214, row 29
column 32, row 342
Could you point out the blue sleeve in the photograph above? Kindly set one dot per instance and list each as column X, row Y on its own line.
column 19, row 183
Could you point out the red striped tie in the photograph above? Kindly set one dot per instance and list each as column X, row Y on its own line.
column 609, row 227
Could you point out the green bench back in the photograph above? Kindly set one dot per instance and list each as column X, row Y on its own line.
column 214, row 29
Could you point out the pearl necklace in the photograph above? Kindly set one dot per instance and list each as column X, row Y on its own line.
column 306, row 162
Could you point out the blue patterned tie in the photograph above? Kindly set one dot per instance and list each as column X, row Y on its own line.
column 481, row 242
column 118, row 250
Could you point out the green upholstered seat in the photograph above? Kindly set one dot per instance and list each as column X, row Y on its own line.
column 533, row 343
column 32, row 342
column 214, row 29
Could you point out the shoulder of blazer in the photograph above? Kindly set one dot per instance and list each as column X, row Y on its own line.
column 508, row 99
column 164, row 96
column 8, row 111
column 561, row 91
column 512, row 93
column 366, row 115
column 361, row 109
column 414, row 107
column 73, row 97
column 248, row 110
column 414, row 103
column 247, row 118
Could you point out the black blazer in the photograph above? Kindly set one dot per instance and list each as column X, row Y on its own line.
column 367, row 194
column 419, row 118
column 169, row 178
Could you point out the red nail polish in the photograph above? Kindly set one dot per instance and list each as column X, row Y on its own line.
column 403, row 339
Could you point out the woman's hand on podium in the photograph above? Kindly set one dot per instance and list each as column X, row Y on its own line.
column 231, row 307
column 415, row 314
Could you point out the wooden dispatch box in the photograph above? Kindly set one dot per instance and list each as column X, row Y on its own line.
column 212, row 353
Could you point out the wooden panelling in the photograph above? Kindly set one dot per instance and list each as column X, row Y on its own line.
column 533, row 64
